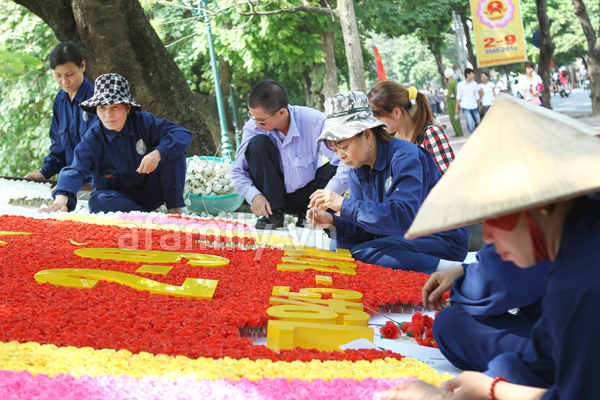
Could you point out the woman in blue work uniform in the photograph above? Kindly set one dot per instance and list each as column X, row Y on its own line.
column 482, row 295
column 544, row 206
column 388, row 182
column 136, row 161
column 69, row 121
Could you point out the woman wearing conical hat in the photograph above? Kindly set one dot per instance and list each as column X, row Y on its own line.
column 136, row 161
column 535, row 189
column 388, row 181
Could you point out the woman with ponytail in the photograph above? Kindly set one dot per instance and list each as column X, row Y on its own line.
column 407, row 115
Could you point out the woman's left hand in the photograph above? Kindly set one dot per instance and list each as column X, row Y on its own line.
column 149, row 162
column 415, row 390
column 469, row 385
column 324, row 199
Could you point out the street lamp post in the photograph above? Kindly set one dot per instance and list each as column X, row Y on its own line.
column 238, row 135
column 203, row 7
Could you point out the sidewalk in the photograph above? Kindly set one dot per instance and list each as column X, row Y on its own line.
column 458, row 142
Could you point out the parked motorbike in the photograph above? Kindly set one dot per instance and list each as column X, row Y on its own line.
column 565, row 89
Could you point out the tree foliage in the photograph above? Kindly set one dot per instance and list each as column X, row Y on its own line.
column 26, row 90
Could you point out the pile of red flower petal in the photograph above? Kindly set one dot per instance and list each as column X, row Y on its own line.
column 115, row 316
column 420, row 329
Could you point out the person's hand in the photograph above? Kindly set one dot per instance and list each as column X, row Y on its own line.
column 60, row 204
column 438, row 284
column 480, row 108
column 469, row 385
column 415, row 390
column 456, row 111
column 323, row 199
column 149, row 162
column 319, row 219
column 261, row 206
column 35, row 175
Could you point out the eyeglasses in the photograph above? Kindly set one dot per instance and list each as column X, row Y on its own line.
column 262, row 123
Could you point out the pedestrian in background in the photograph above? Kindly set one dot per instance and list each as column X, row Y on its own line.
column 467, row 99
column 451, row 102
column 531, row 85
column 486, row 92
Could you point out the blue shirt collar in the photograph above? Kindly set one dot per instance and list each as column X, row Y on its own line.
column 81, row 94
column 127, row 129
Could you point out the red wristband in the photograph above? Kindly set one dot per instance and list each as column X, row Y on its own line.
column 498, row 379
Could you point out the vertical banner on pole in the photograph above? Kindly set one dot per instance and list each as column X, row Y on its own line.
column 380, row 71
column 498, row 28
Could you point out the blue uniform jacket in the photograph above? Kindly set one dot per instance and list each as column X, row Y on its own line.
column 112, row 158
column 491, row 286
column 564, row 354
column 69, row 124
column 384, row 200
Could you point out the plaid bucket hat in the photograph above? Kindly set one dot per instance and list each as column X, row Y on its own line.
column 110, row 89
column 348, row 114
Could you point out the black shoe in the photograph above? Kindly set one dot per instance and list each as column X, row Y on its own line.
column 273, row 222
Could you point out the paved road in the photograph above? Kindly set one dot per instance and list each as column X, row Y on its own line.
column 577, row 105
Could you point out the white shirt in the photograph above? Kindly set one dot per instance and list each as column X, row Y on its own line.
column 468, row 94
column 528, row 85
column 488, row 93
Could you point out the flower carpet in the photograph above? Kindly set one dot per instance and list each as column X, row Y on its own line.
column 97, row 335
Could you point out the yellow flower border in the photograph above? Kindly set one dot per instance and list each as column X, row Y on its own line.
column 52, row 360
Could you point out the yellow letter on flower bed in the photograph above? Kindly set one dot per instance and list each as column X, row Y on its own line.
column 152, row 256
column 4, row 233
column 88, row 278
column 312, row 323
column 339, row 254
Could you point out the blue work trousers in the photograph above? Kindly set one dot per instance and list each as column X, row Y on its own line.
column 163, row 185
column 472, row 119
column 421, row 254
column 470, row 344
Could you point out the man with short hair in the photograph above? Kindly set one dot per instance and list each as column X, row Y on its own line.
column 278, row 164
column 467, row 98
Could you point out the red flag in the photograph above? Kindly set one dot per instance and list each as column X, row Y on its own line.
column 380, row 71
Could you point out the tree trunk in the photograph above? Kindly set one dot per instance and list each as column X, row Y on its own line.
column 356, row 67
column 438, row 61
column 593, row 56
column 330, row 80
column 546, row 50
column 472, row 59
column 117, row 37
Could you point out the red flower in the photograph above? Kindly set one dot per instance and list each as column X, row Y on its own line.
column 390, row 330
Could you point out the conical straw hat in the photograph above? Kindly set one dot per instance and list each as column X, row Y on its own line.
column 522, row 156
